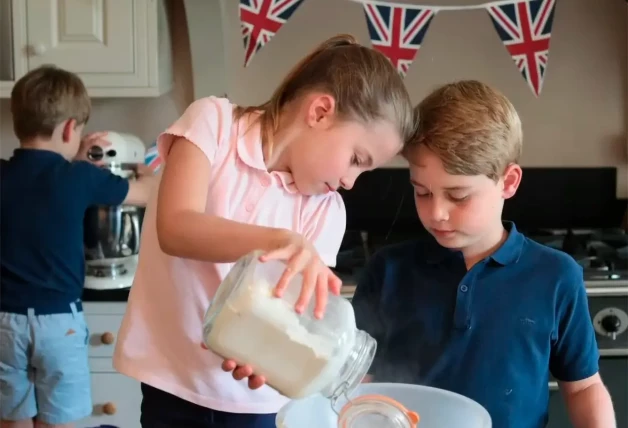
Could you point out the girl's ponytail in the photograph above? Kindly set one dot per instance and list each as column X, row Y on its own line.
column 363, row 82
column 286, row 89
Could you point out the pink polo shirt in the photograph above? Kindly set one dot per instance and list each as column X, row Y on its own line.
column 159, row 342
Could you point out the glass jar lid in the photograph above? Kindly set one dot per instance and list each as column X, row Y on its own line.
column 376, row 411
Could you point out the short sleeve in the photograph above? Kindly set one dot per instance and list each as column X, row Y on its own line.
column 99, row 186
column 205, row 123
column 574, row 351
column 325, row 220
column 366, row 305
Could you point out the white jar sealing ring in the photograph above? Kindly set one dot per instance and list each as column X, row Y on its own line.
column 413, row 417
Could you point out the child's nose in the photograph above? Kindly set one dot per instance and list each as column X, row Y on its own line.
column 347, row 183
column 439, row 210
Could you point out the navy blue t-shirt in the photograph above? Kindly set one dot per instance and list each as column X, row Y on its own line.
column 493, row 333
column 43, row 202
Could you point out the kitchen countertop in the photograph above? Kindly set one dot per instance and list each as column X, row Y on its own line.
column 119, row 295
column 122, row 295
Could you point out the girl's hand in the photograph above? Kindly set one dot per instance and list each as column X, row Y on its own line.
column 301, row 257
column 241, row 372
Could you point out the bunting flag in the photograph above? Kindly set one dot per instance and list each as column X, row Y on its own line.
column 152, row 158
column 525, row 29
column 397, row 30
column 261, row 20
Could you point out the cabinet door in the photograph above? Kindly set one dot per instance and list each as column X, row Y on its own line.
column 104, row 41
column 116, row 400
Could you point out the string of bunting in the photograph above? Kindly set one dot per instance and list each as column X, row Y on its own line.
column 398, row 29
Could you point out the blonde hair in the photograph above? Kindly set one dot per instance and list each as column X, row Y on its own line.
column 363, row 82
column 471, row 127
column 45, row 97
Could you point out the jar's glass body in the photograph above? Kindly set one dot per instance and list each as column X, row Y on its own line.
column 298, row 354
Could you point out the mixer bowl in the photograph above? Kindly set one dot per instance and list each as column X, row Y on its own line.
column 437, row 408
column 112, row 232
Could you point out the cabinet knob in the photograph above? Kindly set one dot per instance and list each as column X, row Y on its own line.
column 107, row 338
column 38, row 49
column 109, row 409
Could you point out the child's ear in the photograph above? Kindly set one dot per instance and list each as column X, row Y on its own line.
column 512, row 179
column 321, row 110
column 69, row 129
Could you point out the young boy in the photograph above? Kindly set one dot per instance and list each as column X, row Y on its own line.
column 44, row 372
column 479, row 309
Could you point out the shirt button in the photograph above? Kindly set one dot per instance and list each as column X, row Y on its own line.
column 249, row 207
column 464, row 288
column 265, row 180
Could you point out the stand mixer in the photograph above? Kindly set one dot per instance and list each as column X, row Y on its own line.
column 112, row 233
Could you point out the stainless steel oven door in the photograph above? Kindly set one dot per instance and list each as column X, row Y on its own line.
column 614, row 372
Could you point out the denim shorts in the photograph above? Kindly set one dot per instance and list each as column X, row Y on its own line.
column 44, row 370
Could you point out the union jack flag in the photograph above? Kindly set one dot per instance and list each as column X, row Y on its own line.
column 525, row 29
column 397, row 31
column 260, row 20
column 152, row 158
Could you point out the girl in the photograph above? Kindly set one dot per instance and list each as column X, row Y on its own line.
column 237, row 179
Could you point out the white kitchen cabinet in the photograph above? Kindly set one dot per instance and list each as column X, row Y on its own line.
column 116, row 398
column 119, row 48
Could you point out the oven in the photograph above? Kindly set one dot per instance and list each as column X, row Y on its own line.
column 603, row 255
column 608, row 304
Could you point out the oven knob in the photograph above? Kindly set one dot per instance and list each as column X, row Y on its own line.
column 611, row 324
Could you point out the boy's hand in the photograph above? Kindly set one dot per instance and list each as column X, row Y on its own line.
column 142, row 170
column 89, row 140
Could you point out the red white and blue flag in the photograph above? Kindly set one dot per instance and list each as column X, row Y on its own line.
column 525, row 29
column 152, row 158
column 398, row 30
column 261, row 20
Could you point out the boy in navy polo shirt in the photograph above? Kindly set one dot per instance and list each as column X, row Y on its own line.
column 478, row 308
column 44, row 372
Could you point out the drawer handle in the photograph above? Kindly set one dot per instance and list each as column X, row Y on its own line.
column 109, row 409
column 107, row 338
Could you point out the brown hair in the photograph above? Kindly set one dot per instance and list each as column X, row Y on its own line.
column 364, row 83
column 471, row 127
column 45, row 97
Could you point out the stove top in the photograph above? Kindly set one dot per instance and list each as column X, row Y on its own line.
column 602, row 253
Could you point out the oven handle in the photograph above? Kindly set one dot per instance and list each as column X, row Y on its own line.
column 553, row 386
column 607, row 291
column 614, row 352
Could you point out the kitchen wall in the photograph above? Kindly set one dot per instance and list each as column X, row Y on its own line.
column 579, row 120
column 144, row 117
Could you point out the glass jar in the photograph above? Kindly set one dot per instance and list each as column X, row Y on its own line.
column 298, row 354
column 376, row 411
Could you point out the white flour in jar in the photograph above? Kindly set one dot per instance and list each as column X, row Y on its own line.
column 265, row 332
